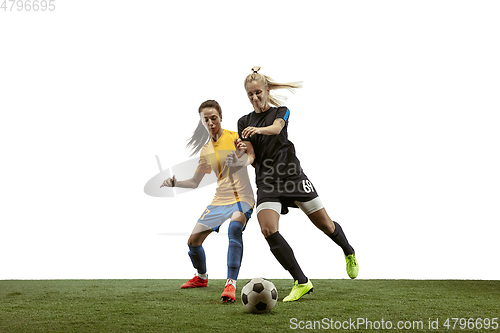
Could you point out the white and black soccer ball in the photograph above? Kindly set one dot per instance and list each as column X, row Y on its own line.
column 259, row 295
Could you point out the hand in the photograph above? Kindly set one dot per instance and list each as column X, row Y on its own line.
column 170, row 182
column 241, row 147
column 250, row 131
column 232, row 159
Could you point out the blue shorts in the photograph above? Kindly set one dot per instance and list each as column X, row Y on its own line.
column 214, row 216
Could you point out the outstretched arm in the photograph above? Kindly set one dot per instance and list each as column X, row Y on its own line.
column 190, row 183
column 274, row 129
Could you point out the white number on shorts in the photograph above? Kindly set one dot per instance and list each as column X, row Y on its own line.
column 308, row 187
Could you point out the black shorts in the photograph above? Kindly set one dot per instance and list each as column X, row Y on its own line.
column 286, row 192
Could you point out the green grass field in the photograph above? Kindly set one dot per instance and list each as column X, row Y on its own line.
column 161, row 306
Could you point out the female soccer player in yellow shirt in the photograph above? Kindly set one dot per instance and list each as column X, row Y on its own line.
column 233, row 199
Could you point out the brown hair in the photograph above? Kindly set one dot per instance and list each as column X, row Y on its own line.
column 200, row 135
column 275, row 100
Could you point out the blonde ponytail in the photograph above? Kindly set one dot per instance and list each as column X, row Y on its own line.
column 275, row 100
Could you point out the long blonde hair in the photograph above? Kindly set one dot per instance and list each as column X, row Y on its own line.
column 275, row 100
column 200, row 135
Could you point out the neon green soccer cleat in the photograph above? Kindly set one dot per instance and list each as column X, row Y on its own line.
column 351, row 266
column 299, row 290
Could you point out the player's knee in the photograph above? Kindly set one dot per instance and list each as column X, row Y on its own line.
column 267, row 230
column 235, row 230
column 328, row 227
column 194, row 241
column 324, row 224
column 239, row 216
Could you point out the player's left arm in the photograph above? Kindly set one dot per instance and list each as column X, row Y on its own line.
column 243, row 156
column 274, row 129
column 245, row 148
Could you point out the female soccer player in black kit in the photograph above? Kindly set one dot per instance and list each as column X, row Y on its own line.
column 281, row 182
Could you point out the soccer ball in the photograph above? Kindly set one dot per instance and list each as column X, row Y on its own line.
column 259, row 295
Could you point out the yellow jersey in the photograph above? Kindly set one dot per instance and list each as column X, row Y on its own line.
column 230, row 188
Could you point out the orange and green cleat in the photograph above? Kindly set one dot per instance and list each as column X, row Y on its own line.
column 195, row 282
column 228, row 296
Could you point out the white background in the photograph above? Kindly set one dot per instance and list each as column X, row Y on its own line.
column 397, row 126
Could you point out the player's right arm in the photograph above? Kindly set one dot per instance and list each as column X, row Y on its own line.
column 274, row 129
column 190, row 183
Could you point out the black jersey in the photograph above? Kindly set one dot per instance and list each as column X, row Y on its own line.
column 275, row 158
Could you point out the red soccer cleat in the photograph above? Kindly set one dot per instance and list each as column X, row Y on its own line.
column 195, row 282
column 228, row 296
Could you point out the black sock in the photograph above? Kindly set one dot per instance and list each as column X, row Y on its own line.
column 284, row 254
column 340, row 239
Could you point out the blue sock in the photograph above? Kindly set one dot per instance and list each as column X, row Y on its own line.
column 235, row 249
column 197, row 255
